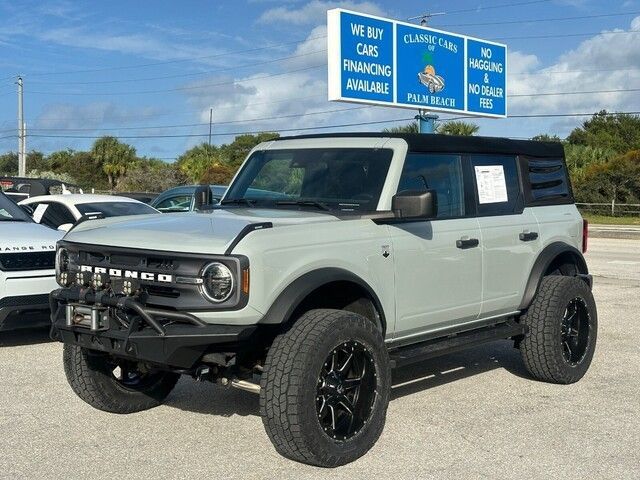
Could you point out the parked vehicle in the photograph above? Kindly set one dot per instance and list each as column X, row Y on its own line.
column 181, row 199
column 64, row 211
column 27, row 275
column 373, row 251
column 21, row 188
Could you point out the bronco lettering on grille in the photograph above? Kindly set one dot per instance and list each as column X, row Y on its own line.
column 120, row 273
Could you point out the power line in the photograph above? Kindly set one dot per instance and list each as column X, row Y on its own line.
column 321, row 127
column 491, row 7
column 182, row 75
column 228, row 122
column 324, row 127
column 566, row 35
column 179, row 60
column 544, row 94
column 179, row 89
column 536, row 20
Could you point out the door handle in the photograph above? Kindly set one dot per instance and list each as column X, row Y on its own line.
column 467, row 243
column 528, row 236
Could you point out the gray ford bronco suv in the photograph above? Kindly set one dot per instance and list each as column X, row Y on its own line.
column 374, row 251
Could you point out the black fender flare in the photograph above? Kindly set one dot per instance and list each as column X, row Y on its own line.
column 542, row 263
column 294, row 294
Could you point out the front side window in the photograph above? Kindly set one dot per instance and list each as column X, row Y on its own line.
column 55, row 215
column 177, row 203
column 442, row 173
column 342, row 179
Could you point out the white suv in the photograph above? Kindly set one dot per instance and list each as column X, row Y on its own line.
column 27, row 261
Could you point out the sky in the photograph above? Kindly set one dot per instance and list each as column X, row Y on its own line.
column 156, row 68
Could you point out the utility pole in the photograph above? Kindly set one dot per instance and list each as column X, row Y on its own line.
column 426, row 120
column 22, row 144
column 210, row 124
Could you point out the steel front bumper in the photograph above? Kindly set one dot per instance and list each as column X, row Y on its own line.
column 163, row 337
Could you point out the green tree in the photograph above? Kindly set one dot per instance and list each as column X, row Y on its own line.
column 408, row 128
column 457, row 127
column 618, row 132
column 9, row 164
column 235, row 152
column 195, row 161
column 114, row 156
column 545, row 137
column 615, row 180
column 151, row 175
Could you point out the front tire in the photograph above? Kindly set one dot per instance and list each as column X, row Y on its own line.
column 325, row 388
column 115, row 385
column 563, row 327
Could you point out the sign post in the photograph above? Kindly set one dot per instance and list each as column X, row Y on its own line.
column 384, row 62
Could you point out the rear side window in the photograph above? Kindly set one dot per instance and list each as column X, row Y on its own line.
column 497, row 184
column 442, row 173
column 545, row 181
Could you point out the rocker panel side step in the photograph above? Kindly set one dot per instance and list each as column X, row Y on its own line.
column 452, row 343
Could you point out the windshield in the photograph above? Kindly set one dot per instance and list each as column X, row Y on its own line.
column 10, row 212
column 115, row 209
column 343, row 179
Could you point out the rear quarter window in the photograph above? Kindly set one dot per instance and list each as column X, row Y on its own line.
column 546, row 181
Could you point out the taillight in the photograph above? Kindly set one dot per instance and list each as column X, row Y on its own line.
column 585, row 235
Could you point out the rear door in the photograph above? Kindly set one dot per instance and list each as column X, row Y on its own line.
column 438, row 263
column 510, row 233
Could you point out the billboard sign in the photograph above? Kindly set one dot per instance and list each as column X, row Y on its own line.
column 379, row 61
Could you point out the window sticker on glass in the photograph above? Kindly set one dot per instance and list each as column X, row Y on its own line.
column 492, row 187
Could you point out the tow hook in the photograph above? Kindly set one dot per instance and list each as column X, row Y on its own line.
column 203, row 372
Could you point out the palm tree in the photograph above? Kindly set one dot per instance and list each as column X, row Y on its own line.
column 114, row 156
column 408, row 128
column 457, row 127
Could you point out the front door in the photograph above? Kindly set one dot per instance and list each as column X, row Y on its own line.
column 438, row 263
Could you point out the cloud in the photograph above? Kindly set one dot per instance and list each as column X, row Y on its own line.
column 315, row 12
column 96, row 114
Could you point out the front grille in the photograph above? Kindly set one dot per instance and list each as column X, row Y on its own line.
column 24, row 301
column 14, row 262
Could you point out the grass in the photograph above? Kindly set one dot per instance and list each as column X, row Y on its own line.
column 608, row 220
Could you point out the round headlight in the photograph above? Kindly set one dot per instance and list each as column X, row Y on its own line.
column 217, row 282
column 62, row 267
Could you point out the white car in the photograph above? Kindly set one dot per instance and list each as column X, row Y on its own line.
column 27, row 274
column 61, row 212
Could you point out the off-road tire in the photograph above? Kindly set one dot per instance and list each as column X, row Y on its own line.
column 290, row 378
column 91, row 379
column 541, row 347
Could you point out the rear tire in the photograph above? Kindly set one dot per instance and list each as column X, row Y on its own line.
column 563, row 327
column 330, row 363
column 113, row 385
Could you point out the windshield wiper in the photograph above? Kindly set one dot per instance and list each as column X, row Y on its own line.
column 12, row 220
column 305, row 203
column 238, row 201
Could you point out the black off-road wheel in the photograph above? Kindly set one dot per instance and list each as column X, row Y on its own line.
column 115, row 385
column 563, row 327
column 325, row 388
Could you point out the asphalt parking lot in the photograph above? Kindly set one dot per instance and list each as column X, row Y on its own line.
column 469, row 415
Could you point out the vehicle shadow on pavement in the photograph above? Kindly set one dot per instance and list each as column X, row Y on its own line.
column 457, row 366
column 206, row 398
column 17, row 338
column 210, row 399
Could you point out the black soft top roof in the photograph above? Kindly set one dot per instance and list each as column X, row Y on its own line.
column 456, row 144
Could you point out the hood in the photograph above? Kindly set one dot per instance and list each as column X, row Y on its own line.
column 186, row 232
column 20, row 237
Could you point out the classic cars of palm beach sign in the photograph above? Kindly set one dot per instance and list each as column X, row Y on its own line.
column 380, row 61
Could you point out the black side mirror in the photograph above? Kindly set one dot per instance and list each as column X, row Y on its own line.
column 203, row 198
column 418, row 204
